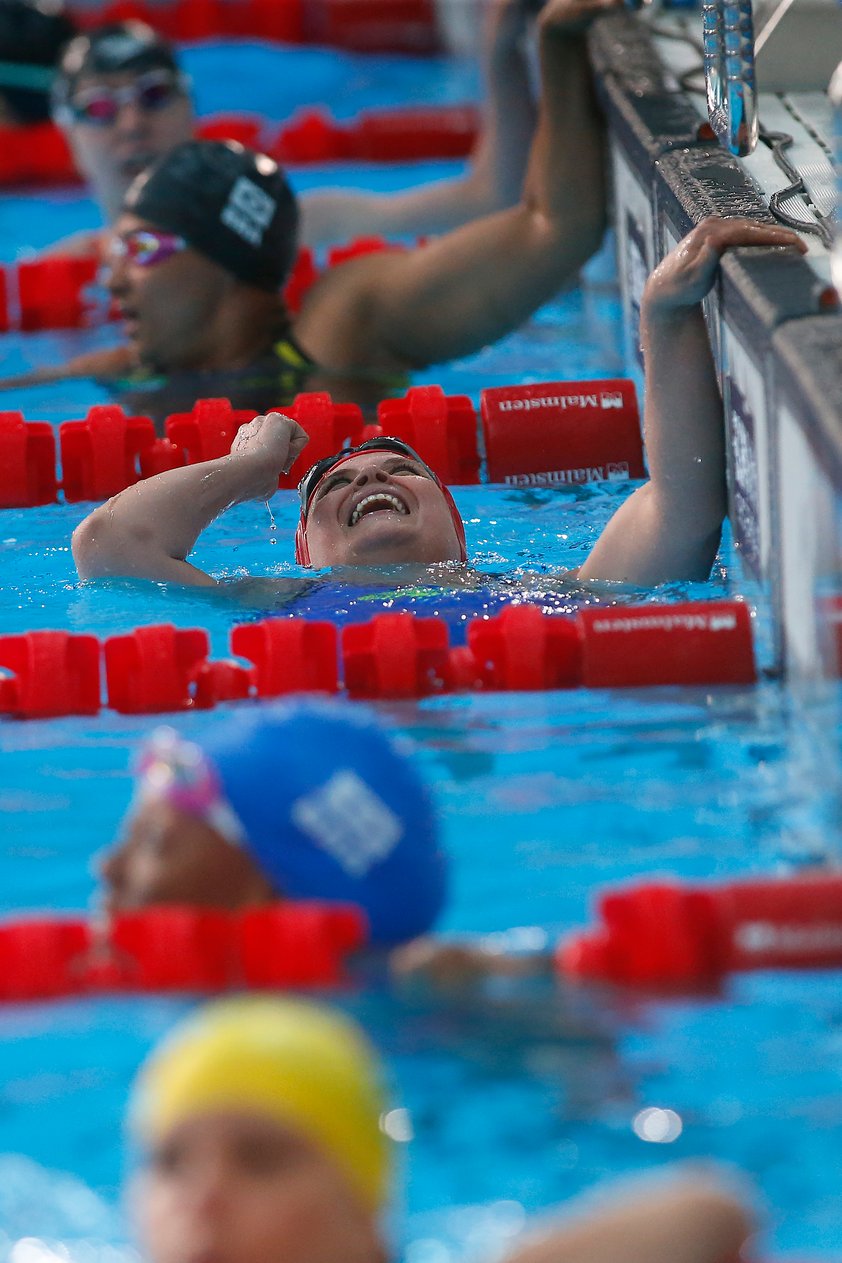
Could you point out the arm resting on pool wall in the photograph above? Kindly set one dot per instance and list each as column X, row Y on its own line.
column 148, row 530
column 494, row 177
column 669, row 529
column 467, row 289
column 689, row 1217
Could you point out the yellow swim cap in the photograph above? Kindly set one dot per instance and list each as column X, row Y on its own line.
column 289, row 1060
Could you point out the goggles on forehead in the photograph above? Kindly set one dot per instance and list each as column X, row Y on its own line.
column 150, row 92
column 179, row 773
column 145, row 246
column 315, row 474
column 310, row 482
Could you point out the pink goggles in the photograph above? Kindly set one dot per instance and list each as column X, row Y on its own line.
column 145, row 246
column 179, row 773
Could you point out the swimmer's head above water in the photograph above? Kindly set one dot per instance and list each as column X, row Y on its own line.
column 308, row 801
column 201, row 248
column 122, row 102
column 377, row 504
column 372, row 506
column 259, row 1123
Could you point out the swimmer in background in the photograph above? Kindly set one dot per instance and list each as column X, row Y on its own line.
column 259, row 1124
column 123, row 103
column 208, row 235
column 381, row 506
column 32, row 35
column 311, row 800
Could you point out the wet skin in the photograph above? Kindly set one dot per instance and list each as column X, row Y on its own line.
column 110, row 157
column 169, row 857
column 380, row 509
column 169, row 309
column 236, row 1187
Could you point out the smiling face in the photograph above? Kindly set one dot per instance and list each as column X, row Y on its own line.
column 111, row 156
column 169, row 308
column 378, row 509
column 241, row 1188
column 170, row 857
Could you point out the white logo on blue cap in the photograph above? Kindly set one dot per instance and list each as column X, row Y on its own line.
column 347, row 819
column 248, row 211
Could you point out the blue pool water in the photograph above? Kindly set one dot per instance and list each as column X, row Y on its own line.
column 543, row 798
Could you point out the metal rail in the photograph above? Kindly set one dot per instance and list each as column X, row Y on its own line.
column 728, row 33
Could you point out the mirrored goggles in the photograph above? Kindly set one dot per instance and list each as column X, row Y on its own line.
column 310, row 481
column 99, row 106
column 145, row 246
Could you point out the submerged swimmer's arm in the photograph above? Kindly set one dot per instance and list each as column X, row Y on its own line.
column 148, row 530
column 459, row 966
column 669, row 529
column 108, row 364
column 690, row 1217
column 494, row 177
column 457, row 294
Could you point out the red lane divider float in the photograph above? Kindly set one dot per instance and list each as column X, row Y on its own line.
column 375, row 26
column 27, row 462
column 64, row 293
column 180, row 949
column 160, row 668
column 378, row 136
column 152, row 669
column 290, row 655
column 563, row 446
column 668, row 934
column 53, row 673
column 39, row 154
column 106, row 451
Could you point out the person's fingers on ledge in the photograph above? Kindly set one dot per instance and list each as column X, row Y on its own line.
column 739, row 231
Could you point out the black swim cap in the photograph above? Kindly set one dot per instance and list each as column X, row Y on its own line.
column 110, row 49
column 229, row 203
column 32, row 35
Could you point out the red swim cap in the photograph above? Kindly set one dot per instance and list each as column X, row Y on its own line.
column 302, row 551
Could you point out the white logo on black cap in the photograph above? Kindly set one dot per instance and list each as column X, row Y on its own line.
column 349, row 821
column 248, row 211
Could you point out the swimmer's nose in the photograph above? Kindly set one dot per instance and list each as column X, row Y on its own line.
column 116, row 276
column 206, row 1189
column 130, row 120
column 370, row 473
column 110, row 866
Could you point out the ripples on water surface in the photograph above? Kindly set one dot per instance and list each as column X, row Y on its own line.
column 543, row 798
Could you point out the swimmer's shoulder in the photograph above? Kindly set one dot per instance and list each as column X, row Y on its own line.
column 338, row 320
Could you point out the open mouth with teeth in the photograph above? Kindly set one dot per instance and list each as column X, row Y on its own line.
column 378, row 502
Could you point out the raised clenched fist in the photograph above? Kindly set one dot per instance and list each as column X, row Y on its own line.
column 269, row 445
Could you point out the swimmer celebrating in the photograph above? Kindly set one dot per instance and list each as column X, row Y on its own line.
column 123, row 102
column 381, row 505
column 378, row 505
column 207, row 237
column 258, row 1121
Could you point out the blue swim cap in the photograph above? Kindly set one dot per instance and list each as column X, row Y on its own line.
column 333, row 809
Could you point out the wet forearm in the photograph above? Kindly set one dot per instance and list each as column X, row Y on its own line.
column 683, row 421
column 160, row 519
column 565, row 180
column 669, row 529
